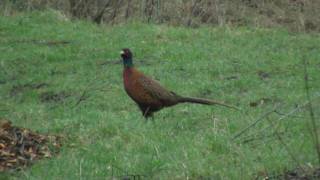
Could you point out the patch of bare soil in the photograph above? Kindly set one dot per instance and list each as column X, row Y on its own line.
column 20, row 147
column 295, row 174
column 260, row 101
column 54, row 96
column 264, row 101
column 21, row 88
column 263, row 75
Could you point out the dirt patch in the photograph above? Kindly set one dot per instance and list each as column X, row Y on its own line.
column 54, row 96
column 263, row 75
column 296, row 174
column 21, row 88
column 20, row 147
column 261, row 101
column 233, row 77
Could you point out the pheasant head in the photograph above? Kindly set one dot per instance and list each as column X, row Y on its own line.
column 126, row 57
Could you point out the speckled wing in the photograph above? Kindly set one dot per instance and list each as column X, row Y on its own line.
column 155, row 90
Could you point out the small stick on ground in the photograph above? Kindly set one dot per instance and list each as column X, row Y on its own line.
column 279, row 119
column 84, row 94
column 255, row 122
column 248, row 140
column 282, row 141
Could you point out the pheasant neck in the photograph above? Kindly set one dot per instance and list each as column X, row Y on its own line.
column 127, row 63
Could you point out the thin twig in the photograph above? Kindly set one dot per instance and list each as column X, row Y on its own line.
column 82, row 97
column 256, row 121
column 282, row 114
column 278, row 120
column 293, row 157
column 260, row 137
column 281, row 118
column 314, row 131
column 297, row 108
column 84, row 94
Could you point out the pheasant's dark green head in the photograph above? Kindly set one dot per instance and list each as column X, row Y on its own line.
column 126, row 57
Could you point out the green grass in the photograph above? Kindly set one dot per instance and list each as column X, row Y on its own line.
column 106, row 135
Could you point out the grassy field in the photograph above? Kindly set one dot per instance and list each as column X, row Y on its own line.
column 75, row 90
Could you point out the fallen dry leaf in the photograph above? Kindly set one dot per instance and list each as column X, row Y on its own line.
column 20, row 147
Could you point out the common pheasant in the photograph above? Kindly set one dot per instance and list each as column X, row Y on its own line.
column 149, row 95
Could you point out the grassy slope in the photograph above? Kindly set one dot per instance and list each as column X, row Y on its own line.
column 106, row 134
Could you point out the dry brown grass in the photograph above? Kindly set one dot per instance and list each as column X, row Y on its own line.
column 295, row 15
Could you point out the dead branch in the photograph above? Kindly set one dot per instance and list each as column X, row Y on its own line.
column 98, row 18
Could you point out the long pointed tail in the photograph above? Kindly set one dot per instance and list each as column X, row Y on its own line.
column 205, row 101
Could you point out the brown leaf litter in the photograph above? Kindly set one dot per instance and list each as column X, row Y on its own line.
column 21, row 147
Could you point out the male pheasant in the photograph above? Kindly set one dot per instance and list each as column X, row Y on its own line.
column 149, row 95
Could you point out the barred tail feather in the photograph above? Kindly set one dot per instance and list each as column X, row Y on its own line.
column 204, row 101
